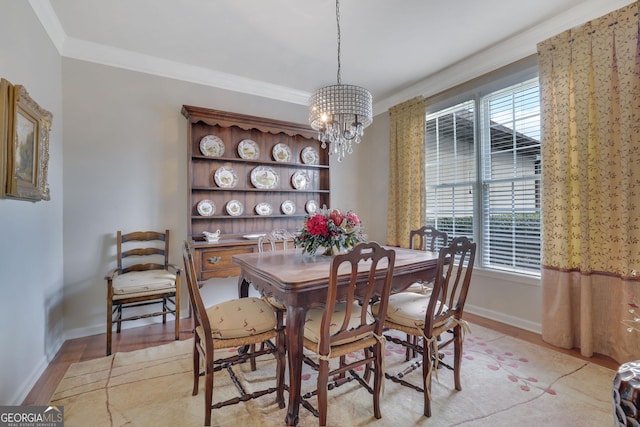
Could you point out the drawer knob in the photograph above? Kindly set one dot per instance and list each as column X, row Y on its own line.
column 215, row 259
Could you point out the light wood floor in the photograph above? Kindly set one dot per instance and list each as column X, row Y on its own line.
column 87, row 348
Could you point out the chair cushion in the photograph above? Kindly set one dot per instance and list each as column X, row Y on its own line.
column 314, row 320
column 408, row 309
column 148, row 281
column 242, row 317
column 424, row 288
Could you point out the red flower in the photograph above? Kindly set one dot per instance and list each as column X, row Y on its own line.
column 336, row 217
column 317, row 225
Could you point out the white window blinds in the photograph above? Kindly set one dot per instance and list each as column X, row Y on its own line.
column 504, row 206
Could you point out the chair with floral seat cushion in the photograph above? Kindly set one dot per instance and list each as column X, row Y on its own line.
column 276, row 238
column 241, row 322
column 143, row 277
column 426, row 238
column 345, row 327
column 429, row 316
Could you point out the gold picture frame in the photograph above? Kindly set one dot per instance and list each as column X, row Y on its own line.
column 6, row 95
column 27, row 148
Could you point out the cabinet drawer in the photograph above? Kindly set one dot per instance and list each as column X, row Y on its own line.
column 216, row 262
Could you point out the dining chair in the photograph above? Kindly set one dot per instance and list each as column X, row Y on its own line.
column 425, row 238
column 429, row 316
column 241, row 322
column 274, row 238
column 143, row 276
column 341, row 328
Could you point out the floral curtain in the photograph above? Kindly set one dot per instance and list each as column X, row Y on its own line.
column 406, row 207
column 590, row 92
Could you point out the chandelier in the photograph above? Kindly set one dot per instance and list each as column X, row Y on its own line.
column 340, row 112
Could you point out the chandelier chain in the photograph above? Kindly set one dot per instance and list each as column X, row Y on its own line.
column 340, row 112
column 339, row 39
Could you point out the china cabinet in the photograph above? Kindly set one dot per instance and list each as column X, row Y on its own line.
column 248, row 175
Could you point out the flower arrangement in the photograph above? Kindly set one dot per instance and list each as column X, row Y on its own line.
column 330, row 229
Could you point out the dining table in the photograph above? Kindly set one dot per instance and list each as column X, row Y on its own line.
column 300, row 281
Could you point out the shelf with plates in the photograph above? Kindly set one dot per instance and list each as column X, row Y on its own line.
column 248, row 175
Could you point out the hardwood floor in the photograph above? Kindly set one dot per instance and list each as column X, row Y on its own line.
column 81, row 349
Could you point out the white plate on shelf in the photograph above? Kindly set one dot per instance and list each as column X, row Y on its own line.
column 311, row 206
column 264, row 177
column 281, row 153
column 248, row 149
column 264, row 208
column 234, row 208
column 206, row 207
column 253, row 236
column 288, row 207
column 300, row 180
column 212, row 146
column 225, row 177
column 309, row 156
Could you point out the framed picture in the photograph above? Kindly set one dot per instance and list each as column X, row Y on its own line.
column 27, row 154
column 6, row 93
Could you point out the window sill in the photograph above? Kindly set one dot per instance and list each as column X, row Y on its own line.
column 507, row 276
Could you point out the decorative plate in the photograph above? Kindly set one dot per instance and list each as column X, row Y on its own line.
column 300, row 180
column 212, row 146
column 248, row 149
column 288, row 207
column 234, row 208
column 264, row 177
column 281, row 153
column 309, row 156
column 264, row 209
column 206, row 207
column 225, row 177
column 311, row 206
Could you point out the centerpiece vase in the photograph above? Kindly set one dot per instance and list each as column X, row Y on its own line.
column 330, row 251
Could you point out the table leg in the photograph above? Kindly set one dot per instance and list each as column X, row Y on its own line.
column 295, row 334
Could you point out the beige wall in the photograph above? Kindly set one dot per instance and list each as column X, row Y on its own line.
column 125, row 156
column 31, row 277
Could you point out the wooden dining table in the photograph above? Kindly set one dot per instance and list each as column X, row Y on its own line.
column 300, row 282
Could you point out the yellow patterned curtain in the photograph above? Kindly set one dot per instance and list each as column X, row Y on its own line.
column 590, row 91
column 406, row 207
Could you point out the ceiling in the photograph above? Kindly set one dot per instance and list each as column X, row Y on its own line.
column 285, row 49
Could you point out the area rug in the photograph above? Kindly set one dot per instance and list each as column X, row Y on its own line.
column 505, row 382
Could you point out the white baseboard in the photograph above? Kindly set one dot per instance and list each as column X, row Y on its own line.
column 527, row 325
column 29, row 382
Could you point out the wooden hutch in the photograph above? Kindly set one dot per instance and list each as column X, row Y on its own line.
column 228, row 155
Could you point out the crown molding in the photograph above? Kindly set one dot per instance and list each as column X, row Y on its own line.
column 503, row 53
column 70, row 47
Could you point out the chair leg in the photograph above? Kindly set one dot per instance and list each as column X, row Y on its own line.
column 196, row 367
column 253, row 358
column 377, row 379
column 177, row 317
column 119, row 327
column 323, row 379
column 208, row 392
column 109, row 326
column 427, row 370
column 457, row 355
column 164, row 311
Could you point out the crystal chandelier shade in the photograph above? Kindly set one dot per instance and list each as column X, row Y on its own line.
column 340, row 112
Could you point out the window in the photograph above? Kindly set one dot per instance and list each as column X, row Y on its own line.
column 483, row 171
